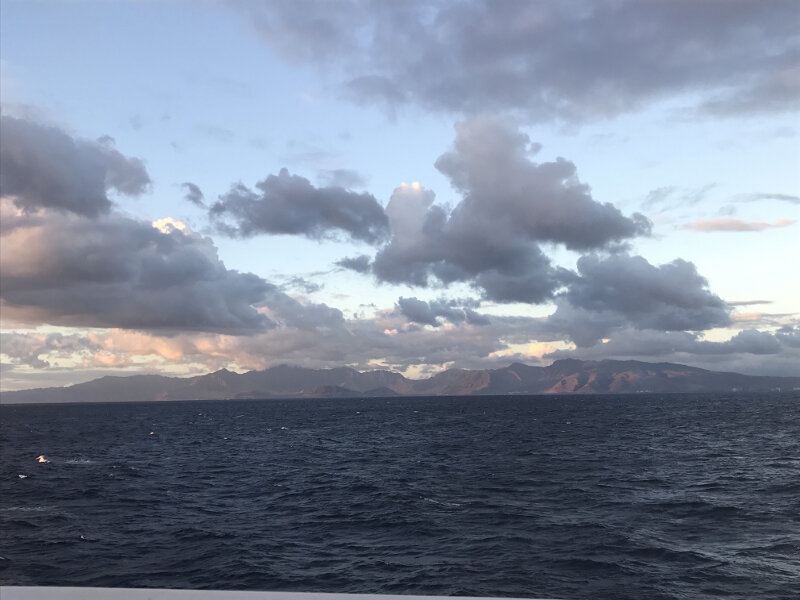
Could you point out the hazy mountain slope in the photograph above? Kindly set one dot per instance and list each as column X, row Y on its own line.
column 563, row 376
column 104, row 389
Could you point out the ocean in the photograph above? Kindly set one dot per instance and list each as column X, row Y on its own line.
column 647, row 496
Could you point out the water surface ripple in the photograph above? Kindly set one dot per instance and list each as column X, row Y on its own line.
column 693, row 496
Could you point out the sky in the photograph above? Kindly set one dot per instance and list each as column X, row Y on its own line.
column 415, row 186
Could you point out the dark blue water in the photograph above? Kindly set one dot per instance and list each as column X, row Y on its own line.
column 569, row 497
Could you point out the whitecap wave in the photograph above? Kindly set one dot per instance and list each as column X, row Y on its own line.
column 443, row 503
column 25, row 509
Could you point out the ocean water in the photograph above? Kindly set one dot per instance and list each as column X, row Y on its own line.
column 566, row 497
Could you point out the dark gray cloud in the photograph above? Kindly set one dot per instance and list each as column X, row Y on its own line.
column 621, row 292
column 669, row 297
column 628, row 342
column 359, row 264
column 292, row 314
column 631, row 343
column 118, row 272
column 289, row 204
column 789, row 335
column 571, row 61
column 475, row 318
column 584, row 328
column 426, row 250
column 193, row 194
column 749, row 351
column 44, row 167
column 490, row 164
column 747, row 302
column 748, row 341
column 510, row 205
column 772, row 90
column 428, row 313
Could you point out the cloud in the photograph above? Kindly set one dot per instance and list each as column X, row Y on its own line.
column 622, row 291
column 27, row 348
column 388, row 339
column 311, row 335
column 658, row 195
column 672, row 296
column 729, row 224
column 572, row 61
column 747, row 302
column 637, row 343
column 291, row 313
column 490, row 165
column 376, row 89
column 344, row 178
column 428, row 313
column 289, row 204
column 748, row 341
column 302, row 284
column 789, row 335
column 773, row 90
column 118, row 272
column 748, row 351
column 44, row 167
column 791, row 199
column 510, row 205
column 315, row 335
column 298, row 332
column 359, row 264
column 194, row 194
column 761, row 320
column 217, row 134
column 303, row 152
column 426, row 248
column 670, row 197
column 306, row 30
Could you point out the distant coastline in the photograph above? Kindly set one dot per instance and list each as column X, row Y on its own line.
column 568, row 376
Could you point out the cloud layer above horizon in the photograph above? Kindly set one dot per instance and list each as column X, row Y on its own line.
column 571, row 61
column 514, row 255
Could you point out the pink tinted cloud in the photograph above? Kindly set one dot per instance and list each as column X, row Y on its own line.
column 729, row 224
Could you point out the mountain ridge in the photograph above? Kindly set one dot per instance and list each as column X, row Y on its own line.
column 564, row 376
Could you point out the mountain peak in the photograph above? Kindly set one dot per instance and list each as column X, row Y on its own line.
column 567, row 362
